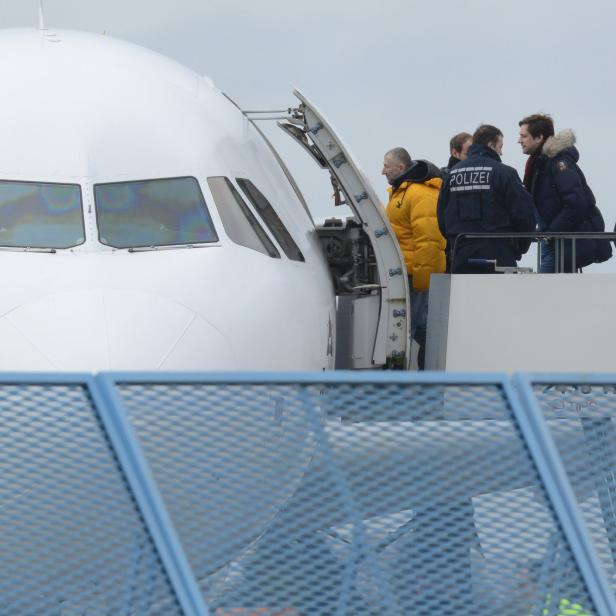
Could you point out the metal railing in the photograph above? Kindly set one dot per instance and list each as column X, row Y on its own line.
column 381, row 494
column 559, row 239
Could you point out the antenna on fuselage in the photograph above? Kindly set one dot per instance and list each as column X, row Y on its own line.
column 41, row 16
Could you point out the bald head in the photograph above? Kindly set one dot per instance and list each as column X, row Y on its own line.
column 400, row 155
column 395, row 163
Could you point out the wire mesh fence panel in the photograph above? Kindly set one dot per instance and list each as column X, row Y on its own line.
column 227, row 460
column 72, row 540
column 580, row 415
column 355, row 498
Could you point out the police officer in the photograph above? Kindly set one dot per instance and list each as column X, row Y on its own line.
column 482, row 195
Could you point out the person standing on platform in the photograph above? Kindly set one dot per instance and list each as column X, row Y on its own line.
column 563, row 200
column 411, row 211
column 482, row 195
column 458, row 149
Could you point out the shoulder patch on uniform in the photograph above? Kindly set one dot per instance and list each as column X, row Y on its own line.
column 561, row 165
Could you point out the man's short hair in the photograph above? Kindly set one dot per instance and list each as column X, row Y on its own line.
column 400, row 155
column 486, row 134
column 457, row 142
column 539, row 124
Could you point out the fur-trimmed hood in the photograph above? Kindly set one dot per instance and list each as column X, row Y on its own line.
column 560, row 142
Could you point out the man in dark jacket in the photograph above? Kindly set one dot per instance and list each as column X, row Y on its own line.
column 458, row 149
column 563, row 199
column 482, row 195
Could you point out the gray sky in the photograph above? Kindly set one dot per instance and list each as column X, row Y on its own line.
column 391, row 73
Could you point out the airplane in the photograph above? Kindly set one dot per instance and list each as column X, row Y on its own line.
column 146, row 223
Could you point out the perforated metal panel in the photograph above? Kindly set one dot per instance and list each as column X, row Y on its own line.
column 307, row 494
column 580, row 413
column 72, row 540
column 335, row 496
column 225, row 459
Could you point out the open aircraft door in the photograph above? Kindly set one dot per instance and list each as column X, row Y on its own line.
column 362, row 251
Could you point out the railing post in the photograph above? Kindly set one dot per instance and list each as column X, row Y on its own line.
column 560, row 492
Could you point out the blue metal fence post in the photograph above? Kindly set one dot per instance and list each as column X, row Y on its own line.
column 560, row 492
column 144, row 488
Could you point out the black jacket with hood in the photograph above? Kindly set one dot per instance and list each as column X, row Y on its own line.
column 563, row 199
column 482, row 195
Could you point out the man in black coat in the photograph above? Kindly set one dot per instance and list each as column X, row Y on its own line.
column 482, row 195
column 563, row 200
column 458, row 149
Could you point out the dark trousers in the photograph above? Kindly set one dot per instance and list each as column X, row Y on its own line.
column 419, row 321
column 500, row 250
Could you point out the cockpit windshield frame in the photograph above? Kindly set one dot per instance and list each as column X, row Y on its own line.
column 210, row 235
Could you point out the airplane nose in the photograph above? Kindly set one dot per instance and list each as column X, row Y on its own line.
column 110, row 329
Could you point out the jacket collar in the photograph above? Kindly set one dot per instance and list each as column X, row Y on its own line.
column 405, row 176
column 419, row 172
column 452, row 161
column 483, row 150
column 401, row 179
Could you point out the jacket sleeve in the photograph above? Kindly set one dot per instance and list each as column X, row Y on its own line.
column 521, row 209
column 571, row 195
column 443, row 197
column 429, row 243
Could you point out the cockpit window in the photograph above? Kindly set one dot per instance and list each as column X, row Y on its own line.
column 271, row 219
column 153, row 213
column 240, row 223
column 40, row 215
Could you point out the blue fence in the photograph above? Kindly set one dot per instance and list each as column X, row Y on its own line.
column 313, row 494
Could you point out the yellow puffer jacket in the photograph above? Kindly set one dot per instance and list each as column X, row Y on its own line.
column 412, row 214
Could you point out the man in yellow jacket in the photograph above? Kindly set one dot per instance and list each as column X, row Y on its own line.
column 411, row 211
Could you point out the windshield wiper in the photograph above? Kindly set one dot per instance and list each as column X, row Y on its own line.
column 28, row 249
column 169, row 247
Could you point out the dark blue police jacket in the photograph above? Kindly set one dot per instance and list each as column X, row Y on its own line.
column 482, row 195
column 565, row 202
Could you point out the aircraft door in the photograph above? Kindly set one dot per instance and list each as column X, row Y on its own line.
column 363, row 254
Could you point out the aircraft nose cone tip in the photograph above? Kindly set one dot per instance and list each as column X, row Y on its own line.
column 110, row 329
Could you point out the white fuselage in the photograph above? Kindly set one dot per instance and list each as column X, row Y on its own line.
column 86, row 110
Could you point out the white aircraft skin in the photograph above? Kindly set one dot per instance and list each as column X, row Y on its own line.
column 86, row 109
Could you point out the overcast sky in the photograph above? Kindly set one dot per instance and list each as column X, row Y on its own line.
column 385, row 74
